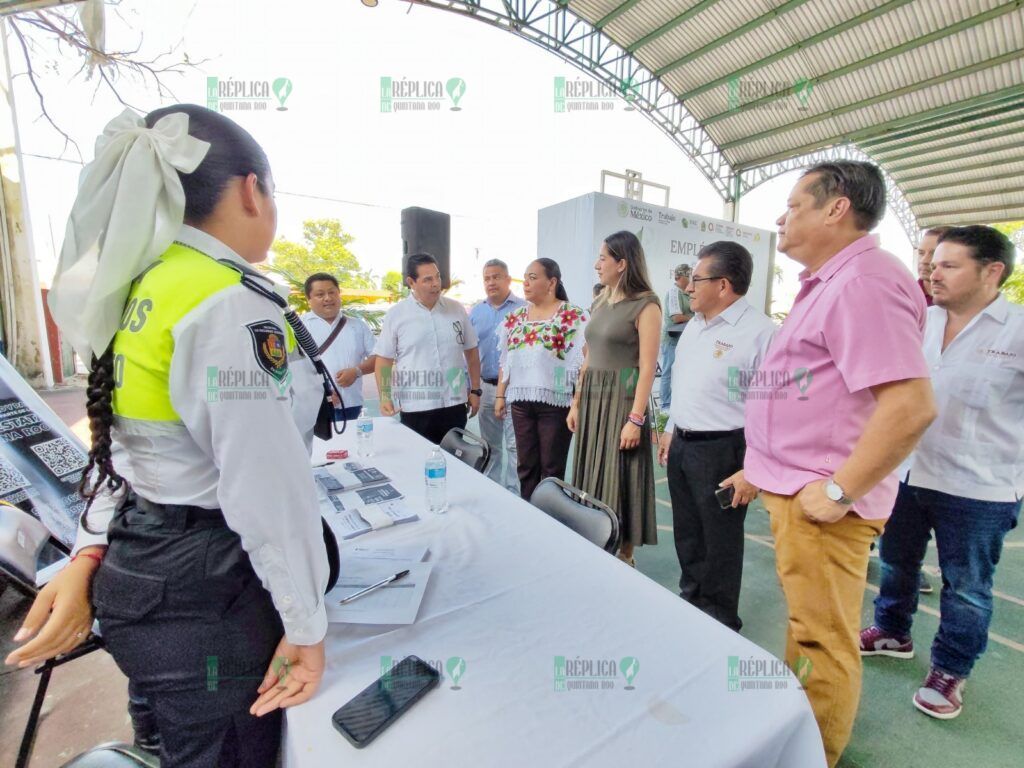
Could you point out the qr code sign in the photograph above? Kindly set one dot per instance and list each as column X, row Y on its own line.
column 60, row 456
column 10, row 478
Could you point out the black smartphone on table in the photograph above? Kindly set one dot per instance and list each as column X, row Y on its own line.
column 386, row 699
column 725, row 496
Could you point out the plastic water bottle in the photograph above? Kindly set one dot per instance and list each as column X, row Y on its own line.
column 364, row 434
column 435, row 473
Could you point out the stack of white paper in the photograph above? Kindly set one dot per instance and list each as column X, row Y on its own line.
column 397, row 603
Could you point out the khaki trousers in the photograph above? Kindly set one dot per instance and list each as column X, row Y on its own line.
column 823, row 570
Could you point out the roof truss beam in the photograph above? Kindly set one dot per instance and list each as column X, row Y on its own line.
column 899, row 139
column 813, row 40
column 960, row 184
column 896, row 168
column 889, row 53
column 995, row 61
column 957, row 141
column 671, row 24
column 738, row 32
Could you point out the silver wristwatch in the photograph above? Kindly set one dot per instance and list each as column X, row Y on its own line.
column 835, row 493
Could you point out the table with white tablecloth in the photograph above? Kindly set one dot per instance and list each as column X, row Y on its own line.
column 563, row 655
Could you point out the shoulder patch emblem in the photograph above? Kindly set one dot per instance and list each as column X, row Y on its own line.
column 269, row 347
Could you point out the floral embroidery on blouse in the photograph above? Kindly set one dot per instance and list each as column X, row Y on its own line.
column 555, row 335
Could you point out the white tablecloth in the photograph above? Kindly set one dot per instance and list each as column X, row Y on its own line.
column 511, row 590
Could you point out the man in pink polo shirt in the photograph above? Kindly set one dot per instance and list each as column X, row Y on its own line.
column 825, row 444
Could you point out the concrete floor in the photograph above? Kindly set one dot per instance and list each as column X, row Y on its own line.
column 87, row 699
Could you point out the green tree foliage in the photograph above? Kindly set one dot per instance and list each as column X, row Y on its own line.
column 1014, row 287
column 392, row 283
column 324, row 248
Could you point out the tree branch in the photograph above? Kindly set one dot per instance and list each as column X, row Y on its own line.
column 39, row 94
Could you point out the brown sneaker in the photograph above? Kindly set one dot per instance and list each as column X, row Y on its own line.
column 874, row 641
column 941, row 696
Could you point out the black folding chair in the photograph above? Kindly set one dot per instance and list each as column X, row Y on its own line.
column 468, row 448
column 113, row 755
column 573, row 508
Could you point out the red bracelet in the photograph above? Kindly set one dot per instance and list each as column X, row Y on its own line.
column 637, row 419
column 93, row 555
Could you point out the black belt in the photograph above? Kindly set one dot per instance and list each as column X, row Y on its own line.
column 492, row 382
column 693, row 434
column 180, row 516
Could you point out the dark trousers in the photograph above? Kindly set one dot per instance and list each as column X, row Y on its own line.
column 434, row 424
column 542, row 442
column 189, row 623
column 709, row 539
column 969, row 538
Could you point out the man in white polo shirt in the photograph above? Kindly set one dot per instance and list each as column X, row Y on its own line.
column 426, row 345
column 966, row 476
column 715, row 370
column 346, row 343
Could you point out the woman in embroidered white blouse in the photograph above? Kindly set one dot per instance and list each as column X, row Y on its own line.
column 541, row 354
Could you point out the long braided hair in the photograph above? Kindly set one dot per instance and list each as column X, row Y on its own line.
column 99, row 408
column 233, row 152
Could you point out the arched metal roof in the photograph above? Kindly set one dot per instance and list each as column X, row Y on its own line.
column 931, row 90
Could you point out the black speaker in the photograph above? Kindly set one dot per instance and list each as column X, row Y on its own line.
column 427, row 231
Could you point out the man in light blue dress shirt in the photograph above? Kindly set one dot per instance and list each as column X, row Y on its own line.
column 486, row 317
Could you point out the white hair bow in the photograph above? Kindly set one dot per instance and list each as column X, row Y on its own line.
column 129, row 208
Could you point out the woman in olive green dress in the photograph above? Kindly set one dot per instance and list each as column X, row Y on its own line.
column 613, row 461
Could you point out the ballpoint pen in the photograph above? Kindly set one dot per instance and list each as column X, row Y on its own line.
column 372, row 587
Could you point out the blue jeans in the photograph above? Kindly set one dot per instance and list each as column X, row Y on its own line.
column 668, row 357
column 969, row 538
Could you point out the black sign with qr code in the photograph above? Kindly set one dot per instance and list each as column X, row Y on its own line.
column 41, row 461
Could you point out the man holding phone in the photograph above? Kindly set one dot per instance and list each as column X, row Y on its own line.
column 703, row 443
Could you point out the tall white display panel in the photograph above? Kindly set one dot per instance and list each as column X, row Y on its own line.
column 571, row 233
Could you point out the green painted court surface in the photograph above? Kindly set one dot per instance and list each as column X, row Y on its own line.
column 889, row 731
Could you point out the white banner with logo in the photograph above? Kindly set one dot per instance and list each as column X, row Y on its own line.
column 571, row 233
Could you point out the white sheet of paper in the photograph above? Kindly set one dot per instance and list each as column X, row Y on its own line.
column 402, row 555
column 397, row 603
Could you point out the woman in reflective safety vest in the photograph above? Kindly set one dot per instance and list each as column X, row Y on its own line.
column 207, row 568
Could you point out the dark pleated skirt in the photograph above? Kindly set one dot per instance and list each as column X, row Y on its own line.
column 624, row 480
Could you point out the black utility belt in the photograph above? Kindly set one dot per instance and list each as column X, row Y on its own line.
column 179, row 516
column 692, row 434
